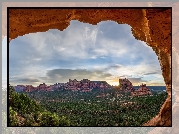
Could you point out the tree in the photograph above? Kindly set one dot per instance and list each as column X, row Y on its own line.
column 51, row 119
column 22, row 107
column 12, row 117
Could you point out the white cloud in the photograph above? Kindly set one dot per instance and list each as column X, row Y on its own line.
column 90, row 33
column 37, row 59
column 96, row 66
column 100, row 52
column 114, row 48
column 93, row 57
column 81, row 42
column 59, row 49
column 103, row 57
column 135, row 71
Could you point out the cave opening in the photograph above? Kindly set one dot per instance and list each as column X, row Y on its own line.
column 141, row 20
column 92, row 44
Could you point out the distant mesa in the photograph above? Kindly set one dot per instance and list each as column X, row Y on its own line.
column 84, row 85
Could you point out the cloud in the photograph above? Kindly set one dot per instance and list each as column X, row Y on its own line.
column 27, row 81
column 136, row 80
column 80, row 51
column 114, row 66
column 150, row 73
column 63, row 75
column 124, row 76
column 157, row 84
column 106, row 75
column 100, row 52
column 71, row 44
column 93, row 57
column 119, row 30
column 143, row 68
column 90, row 34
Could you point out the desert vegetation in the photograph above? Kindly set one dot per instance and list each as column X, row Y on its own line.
column 109, row 107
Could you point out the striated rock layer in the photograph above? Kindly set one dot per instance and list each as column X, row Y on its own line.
column 150, row 25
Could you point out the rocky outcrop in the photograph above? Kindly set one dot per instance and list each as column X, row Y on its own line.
column 19, row 88
column 150, row 25
column 29, row 88
column 125, row 85
column 84, row 85
column 142, row 90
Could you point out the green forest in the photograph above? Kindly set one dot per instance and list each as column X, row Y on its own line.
column 68, row 108
column 24, row 111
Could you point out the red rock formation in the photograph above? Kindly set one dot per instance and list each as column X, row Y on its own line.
column 125, row 85
column 29, row 88
column 142, row 90
column 86, row 90
column 42, row 87
column 20, row 88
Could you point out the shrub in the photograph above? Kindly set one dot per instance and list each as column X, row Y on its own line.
column 20, row 106
column 12, row 117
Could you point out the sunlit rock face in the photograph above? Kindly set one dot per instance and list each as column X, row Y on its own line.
column 125, row 85
column 29, row 88
column 142, row 90
column 150, row 25
column 20, row 88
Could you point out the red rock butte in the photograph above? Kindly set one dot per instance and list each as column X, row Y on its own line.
column 126, row 85
column 150, row 25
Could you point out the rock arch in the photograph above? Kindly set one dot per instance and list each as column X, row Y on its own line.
column 150, row 25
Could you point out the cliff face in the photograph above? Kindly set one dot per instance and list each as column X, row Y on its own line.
column 125, row 85
column 142, row 90
column 150, row 25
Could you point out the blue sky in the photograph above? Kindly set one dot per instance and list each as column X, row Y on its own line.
column 107, row 51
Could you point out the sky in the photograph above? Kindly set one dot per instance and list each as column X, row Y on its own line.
column 104, row 52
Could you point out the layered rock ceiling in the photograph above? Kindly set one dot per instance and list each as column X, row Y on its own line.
column 150, row 25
